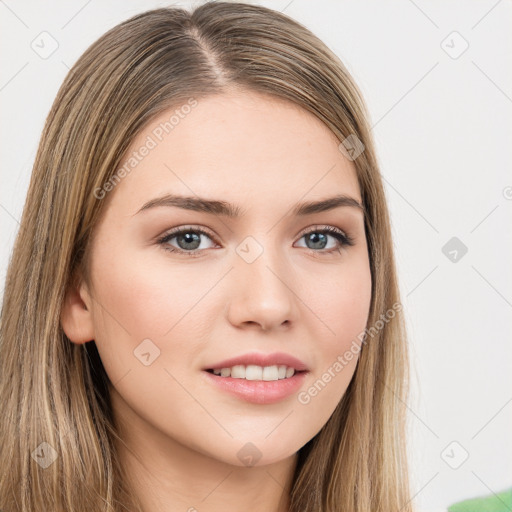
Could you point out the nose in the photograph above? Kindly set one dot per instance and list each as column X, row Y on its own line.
column 261, row 293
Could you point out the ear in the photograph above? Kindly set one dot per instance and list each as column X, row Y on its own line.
column 76, row 314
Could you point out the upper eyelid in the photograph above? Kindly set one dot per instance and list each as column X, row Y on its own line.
column 321, row 227
column 186, row 228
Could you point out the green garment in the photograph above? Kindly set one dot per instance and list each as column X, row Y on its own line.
column 499, row 502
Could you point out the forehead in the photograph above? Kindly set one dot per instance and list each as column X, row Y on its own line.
column 244, row 147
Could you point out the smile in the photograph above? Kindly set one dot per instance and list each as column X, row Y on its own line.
column 255, row 372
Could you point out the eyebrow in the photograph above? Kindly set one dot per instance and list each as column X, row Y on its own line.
column 219, row 207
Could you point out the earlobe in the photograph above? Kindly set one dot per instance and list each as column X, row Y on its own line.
column 76, row 318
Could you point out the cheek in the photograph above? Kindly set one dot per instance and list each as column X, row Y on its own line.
column 342, row 307
column 140, row 299
column 148, row 297
column 341, row 301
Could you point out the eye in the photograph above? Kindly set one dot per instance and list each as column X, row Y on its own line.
column 318, row 238
column 188, row 240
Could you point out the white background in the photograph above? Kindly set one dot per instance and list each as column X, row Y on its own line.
column 443, row 130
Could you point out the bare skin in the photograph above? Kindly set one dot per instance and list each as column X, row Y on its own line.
column 184, row 434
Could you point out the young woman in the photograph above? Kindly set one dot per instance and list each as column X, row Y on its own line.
column 201, row 311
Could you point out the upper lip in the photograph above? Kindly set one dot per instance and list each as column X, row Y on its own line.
column 259, row 359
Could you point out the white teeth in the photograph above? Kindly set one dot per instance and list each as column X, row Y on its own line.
column 270, row 373
column 255, row 372
column 238, row 371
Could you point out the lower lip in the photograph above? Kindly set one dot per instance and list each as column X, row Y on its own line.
column 259, row 391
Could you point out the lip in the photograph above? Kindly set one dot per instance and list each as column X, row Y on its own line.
column 259, row 359
column 258, row 391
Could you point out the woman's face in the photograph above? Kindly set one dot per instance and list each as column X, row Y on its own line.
column 166, row 308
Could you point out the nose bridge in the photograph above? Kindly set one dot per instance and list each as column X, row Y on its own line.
column 261, row 292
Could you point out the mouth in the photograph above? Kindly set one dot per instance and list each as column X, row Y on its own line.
column 258, row 378
column 255, row 389
column 259, row 392
column 256, row 373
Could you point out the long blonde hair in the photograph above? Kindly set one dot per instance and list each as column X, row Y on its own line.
column 54, row 391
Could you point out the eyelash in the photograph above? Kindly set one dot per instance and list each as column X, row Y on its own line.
column 343, row 239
